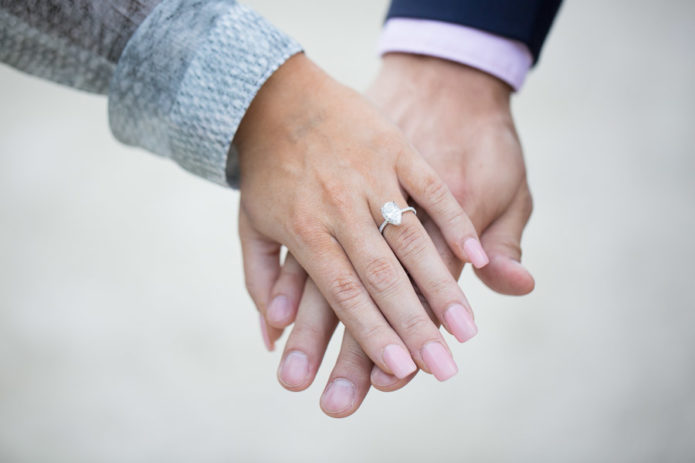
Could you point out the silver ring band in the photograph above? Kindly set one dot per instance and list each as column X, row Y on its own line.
column 392, row 214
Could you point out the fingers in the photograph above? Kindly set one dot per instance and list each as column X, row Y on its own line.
column 261, row 268
column 286, row 293
column 389, row 286
column 344, row 291
column 431, row 193
column 380, row 379
column 349, row 381
column 418, row 254
column 502, row 240
column 307, row 341
column 453, row 263
column 305, row 349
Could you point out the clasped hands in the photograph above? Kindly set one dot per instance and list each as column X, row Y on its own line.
column 317, row 163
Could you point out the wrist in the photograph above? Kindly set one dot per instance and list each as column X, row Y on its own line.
column 438, row 76
column 281, row 103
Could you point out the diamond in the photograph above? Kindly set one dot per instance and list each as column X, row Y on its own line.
column 392, row 213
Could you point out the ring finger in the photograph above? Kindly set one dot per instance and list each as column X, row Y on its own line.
column 389, row 286
column 415, row 250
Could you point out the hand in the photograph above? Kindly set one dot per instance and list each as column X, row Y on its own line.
column 317, row 162
column 460, row 120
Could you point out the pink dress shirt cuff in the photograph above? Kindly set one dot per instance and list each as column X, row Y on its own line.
column 506, row 59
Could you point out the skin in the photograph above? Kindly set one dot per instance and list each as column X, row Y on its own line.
column 460, row 120
column 317, row 162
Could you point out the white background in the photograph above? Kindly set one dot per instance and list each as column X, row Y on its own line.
column 126, row 334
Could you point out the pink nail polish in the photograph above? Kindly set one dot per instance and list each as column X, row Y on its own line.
column 382, row 379
column 398, row 360
column 475, row 253
column 339, row 396
column 264, row 332
column 279, row 309
column 460, row 322
column 439, row 361
column 294, row 369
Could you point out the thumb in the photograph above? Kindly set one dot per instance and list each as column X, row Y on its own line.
column 502, row 242
column 261, row 258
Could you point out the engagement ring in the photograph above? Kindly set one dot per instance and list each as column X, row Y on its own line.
column 393, row 214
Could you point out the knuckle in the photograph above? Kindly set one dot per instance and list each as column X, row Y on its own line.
column 435, row 189
column 416, row 324
column 392, row 142
column 305, row 229
column 304, row 333
column 352, row 358
column 336, row 192
column 513, row 247
column 347, row 292
column 381, row 275
column 301, row 224
column 458, row 221
column 341, row 201
column 441, row 286
column 508, row 245
column 379, row 333
column 409, row 241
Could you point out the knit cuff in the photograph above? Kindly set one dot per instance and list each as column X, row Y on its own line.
column 186, row 78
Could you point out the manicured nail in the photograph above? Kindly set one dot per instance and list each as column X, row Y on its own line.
column 382, row 379
column 460, row 322
column 475, row 253
column 339, row 397
column 264, row 332
column 398, row 360
column 439, row 361
column 294, row 369
column 279, row 309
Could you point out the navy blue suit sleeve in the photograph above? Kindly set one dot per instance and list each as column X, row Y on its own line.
column 525, row 20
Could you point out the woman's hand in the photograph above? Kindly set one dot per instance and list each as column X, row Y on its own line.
column 317, row 163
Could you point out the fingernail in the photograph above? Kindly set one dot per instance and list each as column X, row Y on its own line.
column 382, row 379
column 439, row 361
column 460, row 322
column 279, row 309
column 339, row 396
column 475, row 253
column 264, row 333
column 398, row 360
column 294, row 369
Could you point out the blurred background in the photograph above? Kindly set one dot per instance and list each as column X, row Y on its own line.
column 126, row 334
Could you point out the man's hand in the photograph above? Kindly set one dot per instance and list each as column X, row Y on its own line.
column 460, row 121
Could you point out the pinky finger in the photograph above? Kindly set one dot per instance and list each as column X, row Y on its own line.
column 261, row 258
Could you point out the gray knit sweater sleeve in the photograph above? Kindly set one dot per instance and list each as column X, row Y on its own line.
column 180, row 74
